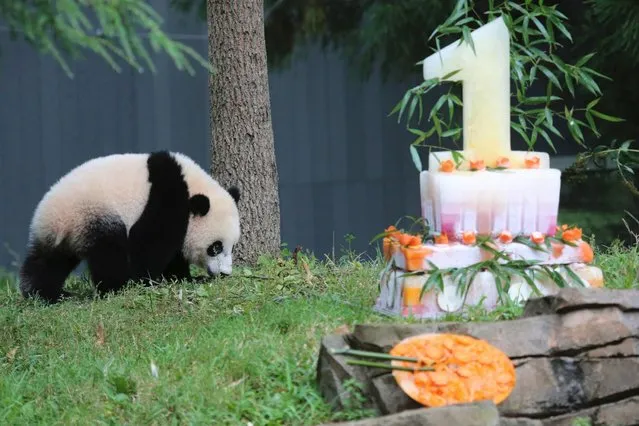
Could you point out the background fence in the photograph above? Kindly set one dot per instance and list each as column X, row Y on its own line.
column 344, row 166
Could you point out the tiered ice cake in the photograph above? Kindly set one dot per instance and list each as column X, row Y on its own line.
column 495, row 235
column 522, row 195
column 492, row 212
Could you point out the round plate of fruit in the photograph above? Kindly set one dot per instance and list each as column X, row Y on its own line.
column 452, row 369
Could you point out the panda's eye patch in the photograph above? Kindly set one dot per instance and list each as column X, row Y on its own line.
column 215, row 249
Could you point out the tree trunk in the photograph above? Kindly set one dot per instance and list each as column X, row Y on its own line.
column 242, row 146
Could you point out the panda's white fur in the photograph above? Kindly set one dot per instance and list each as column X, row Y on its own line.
column 119, row 185
column 223, row 220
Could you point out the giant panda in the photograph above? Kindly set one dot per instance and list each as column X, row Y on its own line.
column 140, row 216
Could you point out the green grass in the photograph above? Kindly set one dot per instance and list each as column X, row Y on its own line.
column 232, row 351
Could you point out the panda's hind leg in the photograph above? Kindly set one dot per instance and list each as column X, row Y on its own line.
column 45, row 270
column 107, row 255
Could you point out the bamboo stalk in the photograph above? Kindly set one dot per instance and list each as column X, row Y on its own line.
column 386, row 366
column 377, row 355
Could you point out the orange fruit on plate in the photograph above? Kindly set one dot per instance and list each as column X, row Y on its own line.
column 466, row 369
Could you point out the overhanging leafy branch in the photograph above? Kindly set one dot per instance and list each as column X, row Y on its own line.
column 537, row 33
column 110, row 29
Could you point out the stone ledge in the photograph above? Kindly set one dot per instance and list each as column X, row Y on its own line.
column 478, row 414
column 576, row 355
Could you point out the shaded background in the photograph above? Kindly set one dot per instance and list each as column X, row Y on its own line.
column 344, row 165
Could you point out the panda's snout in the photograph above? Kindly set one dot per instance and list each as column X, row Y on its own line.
column 216, row 274
column 220, row 265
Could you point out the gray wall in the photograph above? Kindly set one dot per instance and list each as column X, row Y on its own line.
column 344, row 166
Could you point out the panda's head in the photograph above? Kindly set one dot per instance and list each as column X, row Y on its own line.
column 214, row 229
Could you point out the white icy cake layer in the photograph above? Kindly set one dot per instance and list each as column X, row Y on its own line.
column 521, row 201
column 400, row 292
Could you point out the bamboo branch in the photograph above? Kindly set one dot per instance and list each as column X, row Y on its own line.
column 376, row 355
column 386, row 366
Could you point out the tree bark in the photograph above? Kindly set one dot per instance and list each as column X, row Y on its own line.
column 242, row 147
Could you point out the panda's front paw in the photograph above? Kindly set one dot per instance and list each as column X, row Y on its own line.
column 199, row 279
column 66, row 295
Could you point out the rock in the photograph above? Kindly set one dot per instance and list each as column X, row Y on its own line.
column 576, row 355
column 582, row 298
column 552, row 386
column 627, row 347
column 622, row 413
column 387, row 398
column 543, row 335
column 504, row 421
column 478, row 414
column 336, row 377
column 516, row 338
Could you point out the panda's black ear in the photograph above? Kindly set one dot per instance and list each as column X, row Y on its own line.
column 199, row 205
column 235, row 193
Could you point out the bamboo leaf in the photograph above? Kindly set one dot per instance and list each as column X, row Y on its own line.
column 606, row 117
column 455, row 99
column 430, row 283
column 541, row 27
column 518, row 68
column 521, row 132
column 570, row 84
column 563, row 29
column 416, row 132
column 522, row 121
column 554, row 130
column 518, row 7
column 548, row 115
column 592, row 103
column 451, row 74
column 437, row 125
column 452, row 132
column 593, row 72
column 534, row 100
column 558, row 62
column 558, row 13
column 533, row 73
column 590, row 84
column 527, row 242
column 550, row 76
column 468, row 39
column 625, row 146
column 395, row 109
column 573, row 275
column 584, row 59
column 533, row 138
column 591, row 122
column 451, row 108
column 575, row 131
column 421, row 110
column 403, row 105
column 411, row 109
column 415, row 156
column 458, row 157
column 438, row 105
column 453, row 30
column 524, row 30
column 545, row 135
